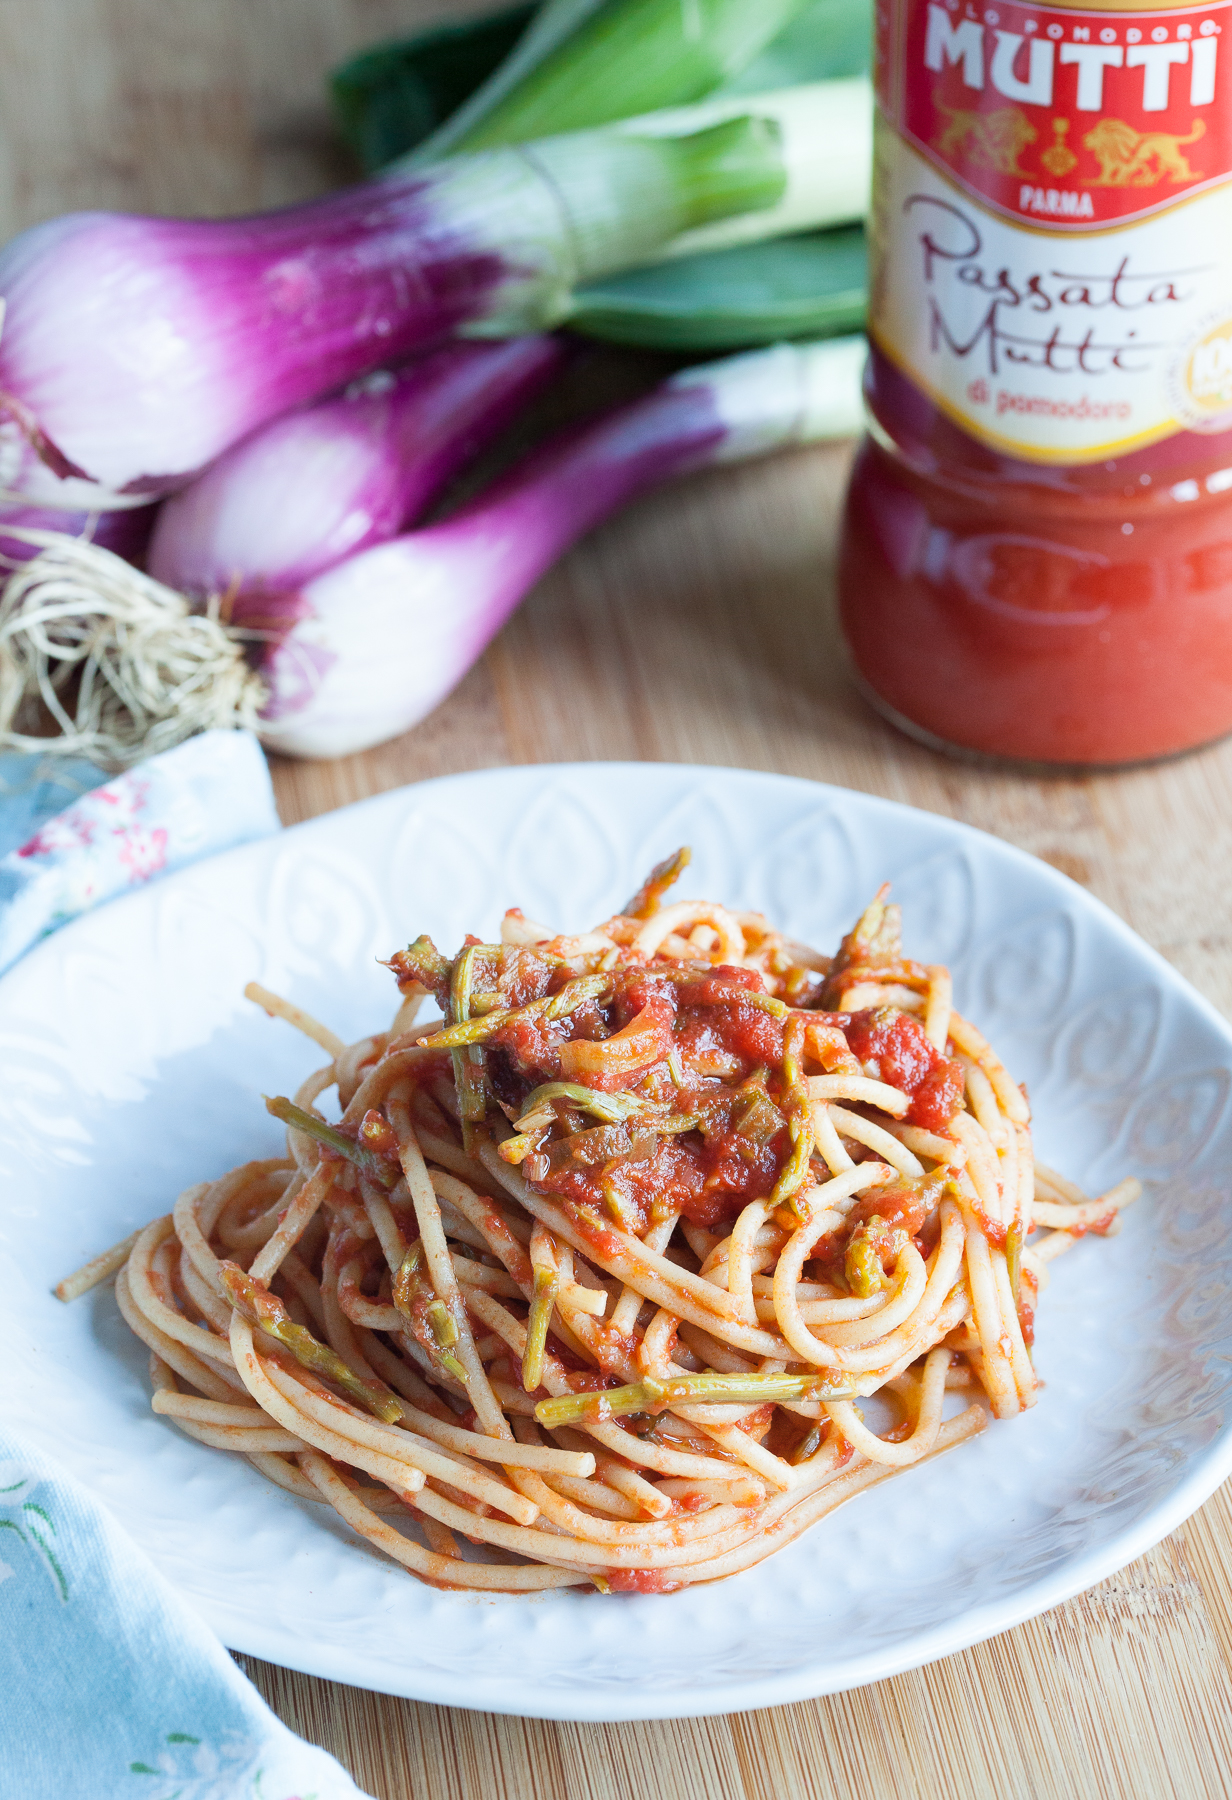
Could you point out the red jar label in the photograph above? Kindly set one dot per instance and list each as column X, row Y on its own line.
column 1052, row 229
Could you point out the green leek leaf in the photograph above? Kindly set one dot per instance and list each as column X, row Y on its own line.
column 808, row 286
column 526, row 72
column 829, row 40
column 390, row 98
column 622, row 58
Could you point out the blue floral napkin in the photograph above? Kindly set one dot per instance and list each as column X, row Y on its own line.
column 110, row 1686
column 72, row 843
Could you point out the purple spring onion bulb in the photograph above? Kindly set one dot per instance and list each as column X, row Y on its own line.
column 126, row 665
column 384, row 636
column 326, row 481
column 136, row 350
column 125, row 532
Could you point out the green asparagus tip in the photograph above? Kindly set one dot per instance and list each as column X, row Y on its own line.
column 651, row 1395
column 379, row 1169
column 255, row 1302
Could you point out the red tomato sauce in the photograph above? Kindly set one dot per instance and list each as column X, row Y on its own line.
column 642, row 1581
column 909, row 1205
column 709, row 1175
column 1060, row 614
column 734, row 1174
column 736, row 1152
column 672, row 1173
column 713, row 1007
column 907, row 1059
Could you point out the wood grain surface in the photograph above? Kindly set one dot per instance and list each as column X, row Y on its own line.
column 698, row 628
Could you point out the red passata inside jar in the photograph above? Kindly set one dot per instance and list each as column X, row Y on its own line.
column 1072, row 615
column 1037, row 560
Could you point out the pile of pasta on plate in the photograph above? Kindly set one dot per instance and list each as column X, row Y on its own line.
column 665, row 1239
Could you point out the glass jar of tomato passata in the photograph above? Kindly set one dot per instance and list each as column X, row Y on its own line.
column 1037, row 553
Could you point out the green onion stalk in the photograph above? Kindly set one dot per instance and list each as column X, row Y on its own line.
column 583, row 63
column 826, row 130
column 702, row 299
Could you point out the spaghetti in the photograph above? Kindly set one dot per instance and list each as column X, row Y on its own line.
column 594, row 1274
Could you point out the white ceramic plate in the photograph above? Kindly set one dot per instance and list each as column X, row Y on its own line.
column 131, row 1065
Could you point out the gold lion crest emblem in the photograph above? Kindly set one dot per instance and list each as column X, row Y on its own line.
column 992, row 140
column 1129, row 158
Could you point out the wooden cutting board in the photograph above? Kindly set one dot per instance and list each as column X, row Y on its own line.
column 698, row 628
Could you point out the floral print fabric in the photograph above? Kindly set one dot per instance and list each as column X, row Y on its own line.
column 206, row 795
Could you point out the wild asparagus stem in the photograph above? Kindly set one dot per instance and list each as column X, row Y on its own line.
column 778, row 1009
column 556, row 1006
column 573, row 996
column 797, row 1104
column 380, row 1169
column 444, row 1329
column 425, row 1313
column 612, row 1109
column 422, row 964
column 652, row 1395
column 538, row 1116
column 255, row 1303
column 547, row 1286
column 645, row 903
column 468, row 1068
column 515, row 1150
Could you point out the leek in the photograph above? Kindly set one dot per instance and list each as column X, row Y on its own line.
column 389, row 98
column 827, row 138
column 808, row 286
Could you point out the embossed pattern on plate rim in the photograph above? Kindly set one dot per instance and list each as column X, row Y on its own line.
column 570, row 1688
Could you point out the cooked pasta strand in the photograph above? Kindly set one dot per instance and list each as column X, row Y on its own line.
column 722, row 1206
